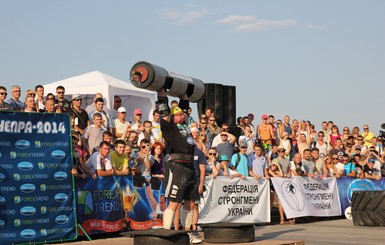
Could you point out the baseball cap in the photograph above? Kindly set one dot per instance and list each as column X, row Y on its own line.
column 121, row 109
column 175, row 110
column 371, row 160
column 242, row 145
column 76, row 96
column 137, row 111
column 264, row 116
column 223, row 158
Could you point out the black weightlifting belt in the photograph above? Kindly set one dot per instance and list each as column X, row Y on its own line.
column 183, row 158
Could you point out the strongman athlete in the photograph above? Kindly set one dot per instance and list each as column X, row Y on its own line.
column 180, row 180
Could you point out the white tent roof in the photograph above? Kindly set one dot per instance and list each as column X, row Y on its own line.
column 89, row 84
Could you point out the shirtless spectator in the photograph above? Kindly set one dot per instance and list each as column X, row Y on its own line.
column 265, row 133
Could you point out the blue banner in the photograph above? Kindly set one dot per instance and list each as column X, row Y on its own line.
column 109, row 204
column 36, row 189
column 346, row 186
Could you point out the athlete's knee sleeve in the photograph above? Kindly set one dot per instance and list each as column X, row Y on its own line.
column 187, row 216
column 168, row 218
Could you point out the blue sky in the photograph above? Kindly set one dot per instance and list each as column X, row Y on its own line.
column 313, row 60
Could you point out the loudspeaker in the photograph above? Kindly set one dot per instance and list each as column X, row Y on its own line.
column 229, row 105
column 213, row 98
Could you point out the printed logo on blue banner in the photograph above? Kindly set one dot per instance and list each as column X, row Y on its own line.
column 43, row 209
column 60, row 175
column 12, row 154
column 28, row 188
column 2, row 200
column 359, row 185
column 43, row 187
column 22, row 144
column 16, row 222
column 2, row 177
column 37, row 144
column 58, row 154
column 25, row 166
column 43, row 232
column 16, row 177
column 61, row 219
column 85, row 205
column 28, row 233
column 61, row 197
column 40, row 165
column 2, row 223
column 28, row 211
column 16, row 199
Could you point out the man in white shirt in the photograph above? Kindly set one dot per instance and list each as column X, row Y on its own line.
column 99, row 163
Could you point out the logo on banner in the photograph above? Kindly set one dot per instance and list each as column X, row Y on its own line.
column 37, row 144
column 28, row 211
column 289, row 191
column 85, row 204
column 359, row 185
column 61, row 219
column 61, row 197
column 16, row 199
column 2, row 177
column 58, row 154
column 25, row 166
column 12, row 154
column 60, row 175
column 27, row 188
column 22, row 144
column 2, row 200
column 40, row 165
column 28, row 233
column 16, row 177
column 2, row 223
column 43, row 232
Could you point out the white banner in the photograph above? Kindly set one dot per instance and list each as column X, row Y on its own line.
column 235, row 200
column 304, row 196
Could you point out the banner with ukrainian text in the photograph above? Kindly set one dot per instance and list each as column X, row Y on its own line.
column 36, row 187
column 304, row 196
column 235, row 200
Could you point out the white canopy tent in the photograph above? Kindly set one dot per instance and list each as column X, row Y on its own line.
column 88, row 84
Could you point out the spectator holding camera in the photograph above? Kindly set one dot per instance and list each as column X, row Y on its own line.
column 296, row 166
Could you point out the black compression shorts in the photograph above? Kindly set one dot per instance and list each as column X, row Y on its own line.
column 180, row 182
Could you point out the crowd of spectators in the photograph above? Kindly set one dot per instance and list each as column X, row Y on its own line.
column 106, row 144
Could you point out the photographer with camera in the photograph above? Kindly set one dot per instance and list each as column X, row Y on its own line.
column 296, row 166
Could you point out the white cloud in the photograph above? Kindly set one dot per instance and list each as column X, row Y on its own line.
column 316, row 27
column 249, row 23
column 235, row 19
column 182, row 18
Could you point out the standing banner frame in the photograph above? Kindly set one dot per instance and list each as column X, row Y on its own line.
column 37, row 197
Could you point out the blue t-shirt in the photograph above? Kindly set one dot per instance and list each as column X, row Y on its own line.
column 243, row 165
column 348, row 168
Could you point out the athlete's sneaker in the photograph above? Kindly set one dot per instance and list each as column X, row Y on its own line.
column 196, row 234
column 193, row 239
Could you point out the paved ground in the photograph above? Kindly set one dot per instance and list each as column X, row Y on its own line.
column 338, row 232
